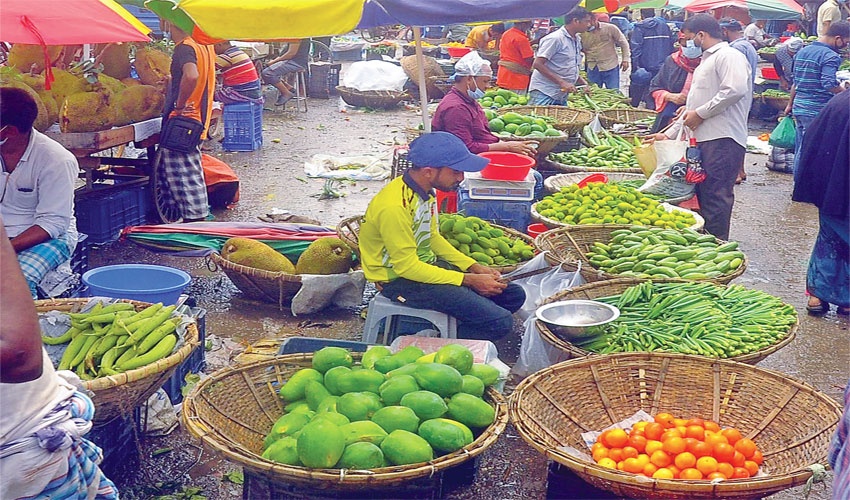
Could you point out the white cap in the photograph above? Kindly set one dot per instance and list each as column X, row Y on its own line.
column 794, row 43
column 473, row 65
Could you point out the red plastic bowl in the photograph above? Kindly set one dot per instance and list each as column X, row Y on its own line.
column 506, row 166
column 458, row 51
column 536, row 229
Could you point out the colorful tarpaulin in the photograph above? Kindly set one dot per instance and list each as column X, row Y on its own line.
column 758, row 9
column 48, row 22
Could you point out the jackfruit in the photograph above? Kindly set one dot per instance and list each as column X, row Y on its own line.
column 49, row 106
column 86, row 112
column 35, row 82
column 116, row 59
column 131, row 82
column 64, row 84
column 256, row 254
column 115, row 86
column 138, row 103
column 325, row 256
column 152, row 65
column 11, row 79
column 30, row 58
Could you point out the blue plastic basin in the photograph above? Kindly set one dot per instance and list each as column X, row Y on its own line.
column 143, row 282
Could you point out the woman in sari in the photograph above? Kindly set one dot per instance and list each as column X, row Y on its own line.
column 822, row 180
column 669, row 88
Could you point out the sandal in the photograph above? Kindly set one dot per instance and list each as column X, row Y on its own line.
column 818, row 309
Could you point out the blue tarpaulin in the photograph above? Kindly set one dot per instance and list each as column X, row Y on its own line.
column 443, row 12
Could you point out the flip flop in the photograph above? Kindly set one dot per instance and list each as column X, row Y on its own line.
column 819, row 309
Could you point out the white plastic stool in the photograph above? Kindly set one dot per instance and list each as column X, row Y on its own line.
column 299, row 90
column 383, row 308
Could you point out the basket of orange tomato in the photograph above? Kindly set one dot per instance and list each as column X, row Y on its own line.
column 651, row 425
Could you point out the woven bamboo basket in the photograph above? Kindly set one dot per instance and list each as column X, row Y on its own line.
column 266, row 286
column 610, row 117
column 555, row 165
column 234, row 409
column 553, row 223
column 567, row 120
column 611, row 287
column 565, row 243
column 551, row 408
column 118, row 395
column 381, row 99
column 777, row 103
column 348, row 231
column 554, row 183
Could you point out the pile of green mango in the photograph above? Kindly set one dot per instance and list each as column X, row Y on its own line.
column 498, row 98
column 486, row 244
column 521, row 125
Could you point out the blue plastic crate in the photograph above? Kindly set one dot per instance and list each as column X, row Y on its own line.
column 118, row 441
column 243, row 126
column 513, row 214
column 192, row 364
column 294, row 345
column 102, row 214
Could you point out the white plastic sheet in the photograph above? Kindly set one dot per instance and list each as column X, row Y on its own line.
column 374, row 75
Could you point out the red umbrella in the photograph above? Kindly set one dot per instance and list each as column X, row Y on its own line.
column 48, row 22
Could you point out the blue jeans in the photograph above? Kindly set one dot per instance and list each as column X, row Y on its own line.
column 478, row 317
column 610, row 78
column 537, row 98
column 801, row 124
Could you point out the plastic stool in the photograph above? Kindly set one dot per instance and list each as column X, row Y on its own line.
column 300, row 90
column 383, row 308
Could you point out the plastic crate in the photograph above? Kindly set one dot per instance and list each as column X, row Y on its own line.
column 192, row 364
column 243, row 126
column 117, row 439
column 513, row 214
column 102, row 214
column 348, row 55
column 294, row 345
column 400, row 161
column 323, row 79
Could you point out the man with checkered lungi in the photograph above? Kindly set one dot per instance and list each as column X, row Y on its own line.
column 190, row 95
column 36, row 189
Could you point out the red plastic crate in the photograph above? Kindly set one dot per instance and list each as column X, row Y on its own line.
column 769, row 73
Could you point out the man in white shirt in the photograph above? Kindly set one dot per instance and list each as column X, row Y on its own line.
column 754, row 32
column 716, row 113
column 36, row 189
column 828, row 13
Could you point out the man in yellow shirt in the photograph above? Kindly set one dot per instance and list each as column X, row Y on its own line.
column 403, row 252
column 485, row 37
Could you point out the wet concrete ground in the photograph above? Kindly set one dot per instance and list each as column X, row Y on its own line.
column 776, row 234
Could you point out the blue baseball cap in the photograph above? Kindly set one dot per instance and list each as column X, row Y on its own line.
column 442, row 149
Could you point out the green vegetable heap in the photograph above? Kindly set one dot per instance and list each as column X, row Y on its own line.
column 694, row 318
column 486, row 244
column 515, row 124
column 599, row 99
column 498, row 98
column 608, row 151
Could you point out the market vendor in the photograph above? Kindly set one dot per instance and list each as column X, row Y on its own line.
column 285, row 65
column 460, row 114
column 784, row 62
column 485, row 37
column 37, row 192
column 515, row 58
column 239, row 79
column 403, row 252
column 43, row 416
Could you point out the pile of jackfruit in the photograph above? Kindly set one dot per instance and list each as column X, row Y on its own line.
column 328, row 255
column 93, row 101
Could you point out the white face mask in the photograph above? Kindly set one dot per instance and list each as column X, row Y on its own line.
column 3, row 141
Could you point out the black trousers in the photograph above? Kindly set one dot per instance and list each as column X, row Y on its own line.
column 722, row 159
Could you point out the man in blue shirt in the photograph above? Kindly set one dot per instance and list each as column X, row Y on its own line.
column 651, row 42
column 555, row 69
column 814, row 77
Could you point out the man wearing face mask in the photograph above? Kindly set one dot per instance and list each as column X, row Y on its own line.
column 36, row 189
column 815, row 82
column 460, row 114
column 599, row 45
column 403, row 252
column 716, row 113
column 555, row 70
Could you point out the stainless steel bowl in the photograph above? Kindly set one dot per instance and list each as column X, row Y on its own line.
column 575, row 319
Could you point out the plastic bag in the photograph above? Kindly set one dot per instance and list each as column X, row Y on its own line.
column 784, row 135
column 540, row 286
column 374, row 75
column 535, row 353
column 671, row 167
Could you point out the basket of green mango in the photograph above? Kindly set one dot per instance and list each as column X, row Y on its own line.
column 513, row 126
column 498, row 98
column 565, row 119
column 499, row 247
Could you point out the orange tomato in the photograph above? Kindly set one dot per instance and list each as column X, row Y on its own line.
column 746, row 446
column 690, row 473
column 652, row 446
column 653, row 431
column 660, row 459
column 683, row 430
column 630, row 452
column 599, row 454
column 632, row 465
column 700, row 449
column 680, row 422
column 711, row 425
column 674, row 445
column 695, row 431
column 741, row 473
column 712, row 438
column 608, row 463
column 706, row 465
column 696, row 421
column 620, row 465
column 716, row 475
column 616, row 438
column 671, row 432
column 663, row 473
column 643, row 458
column 601, row 437
column 675, row 470
column 597, row 446
column 685, row 460
column 635, row 432
column 640, row 425
column 732, row 434
column 638, row 443
column 726, row 468
column 738, row 459
column 665, row 419
column 752, row 467
column 723, row 452
column 616, row 454
column 757, row 457
column 650, row 469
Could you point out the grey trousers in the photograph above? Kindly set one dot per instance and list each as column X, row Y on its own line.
column 722, row 159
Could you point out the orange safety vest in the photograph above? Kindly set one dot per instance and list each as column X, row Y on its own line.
column 201, row 95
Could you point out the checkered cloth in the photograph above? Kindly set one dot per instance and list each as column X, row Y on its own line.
column 839, row 452
column 39, row 260
column 183, row 181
